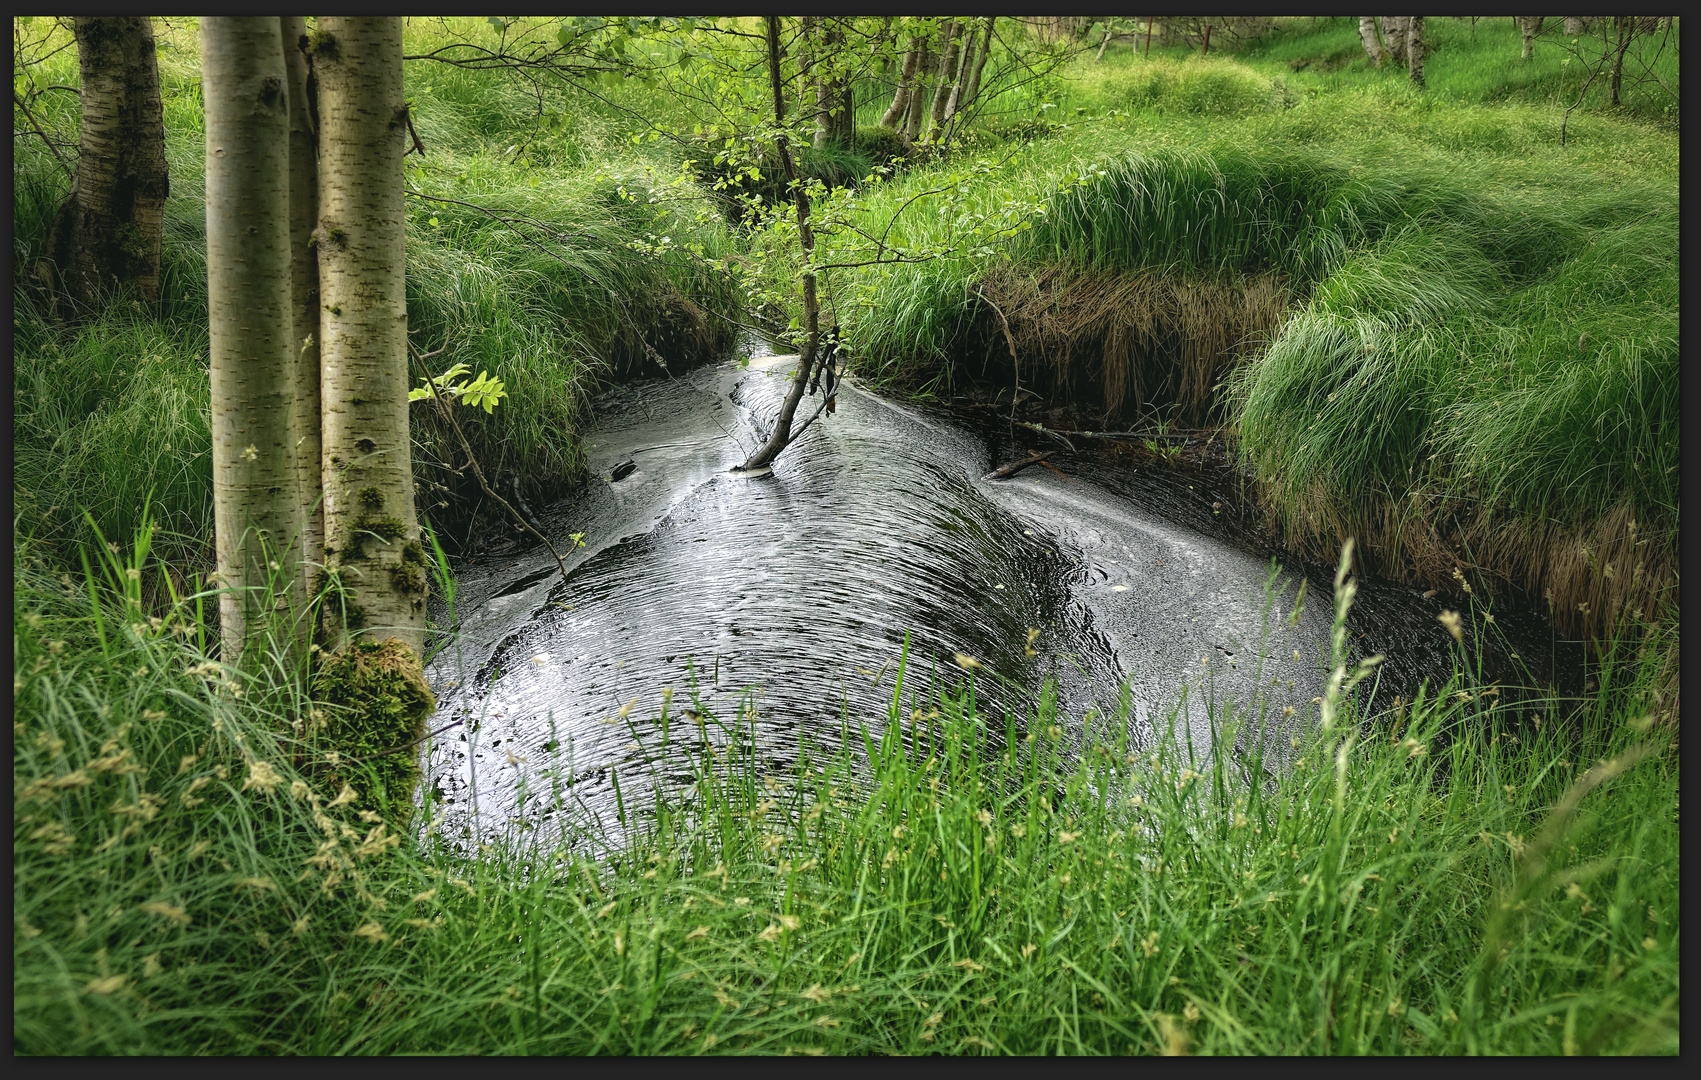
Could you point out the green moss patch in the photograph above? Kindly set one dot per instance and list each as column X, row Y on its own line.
column 379, row 701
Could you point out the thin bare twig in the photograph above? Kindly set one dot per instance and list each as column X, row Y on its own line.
column 448, row 412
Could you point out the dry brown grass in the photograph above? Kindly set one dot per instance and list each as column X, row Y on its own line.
column 1592, row 579
column 1124, row 343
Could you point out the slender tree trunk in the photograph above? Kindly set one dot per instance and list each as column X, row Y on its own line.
column 1367, row 34
column 949, row 49
column 1104, row 43
column 1529, row 26
column 256, row 499
column 965, row 58
column 304, row 289
column 806, row 65
column 1394, row 36
column 112, row 223
column 372, row 544
column 1626, row 31
column 973, row 89
column 899, row 109
column 834, row 121
column 780, row 437
column 1414, row 50
column 919, row 97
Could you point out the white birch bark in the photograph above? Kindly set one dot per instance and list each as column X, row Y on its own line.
column 1367, row 34
column 256, row 504
column 898, row 110
column 371, row 534
column 1394, row 36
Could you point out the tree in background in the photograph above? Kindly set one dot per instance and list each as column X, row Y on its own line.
column 1529, row 26
column 110, row 228
column 1414, row 50
column 1367, row 35
column 1394, row 36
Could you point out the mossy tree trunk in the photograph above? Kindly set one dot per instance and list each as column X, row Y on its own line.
column 372, row 549
column 835, row 119
column 919, row 95
column 111, row 225
column 257, row 507
column 304, row 287
column 1529, row 26
column 780, row 437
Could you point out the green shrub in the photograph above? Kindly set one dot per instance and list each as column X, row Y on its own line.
column 1214, row 86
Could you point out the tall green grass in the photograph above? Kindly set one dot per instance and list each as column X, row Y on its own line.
column 1447, row 875
column 1481, row 360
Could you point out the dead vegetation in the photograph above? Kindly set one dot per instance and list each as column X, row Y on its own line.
column 1123, row 344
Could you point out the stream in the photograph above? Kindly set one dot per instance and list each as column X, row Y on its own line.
column 799, row 592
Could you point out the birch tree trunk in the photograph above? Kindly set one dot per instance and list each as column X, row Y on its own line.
column 1573, row 25
column 834, row 120
column 304, row 291
column 806, row 64
column 1414, row 50
column 256, row 498
column 372, row 544
column 1367, row 34
column 973, row 89
column 1529, row 26
column 1394, row 36
column 965, row 60
column 780, row 437
column 899, row 109
column 919, row 96
column 949, row 48
column 112, row 223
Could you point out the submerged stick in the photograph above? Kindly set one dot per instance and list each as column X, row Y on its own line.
column 1015, row 467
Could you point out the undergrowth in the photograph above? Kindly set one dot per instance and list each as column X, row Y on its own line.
column 1447, row 875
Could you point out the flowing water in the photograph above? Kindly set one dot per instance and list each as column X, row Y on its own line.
column 873, row 547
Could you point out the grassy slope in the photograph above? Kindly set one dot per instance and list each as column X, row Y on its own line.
column 1481, row 363
column 182, row 884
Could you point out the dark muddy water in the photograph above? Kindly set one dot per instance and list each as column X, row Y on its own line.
column 696, row 586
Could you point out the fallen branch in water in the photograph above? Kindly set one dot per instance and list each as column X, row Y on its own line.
column 1015, row 467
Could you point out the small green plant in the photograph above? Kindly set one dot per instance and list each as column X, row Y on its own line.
column 482, row 391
